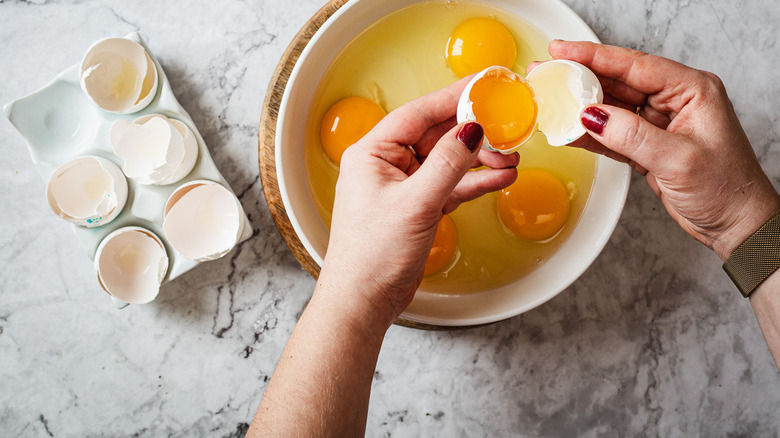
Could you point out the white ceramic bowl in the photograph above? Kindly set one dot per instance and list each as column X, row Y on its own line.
column 594, row 228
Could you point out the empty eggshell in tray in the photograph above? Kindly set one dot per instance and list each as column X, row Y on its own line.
column 118, row 75
column 203, row 220
column 154, row 148
column 131, row 263
column 61, row 122
column 87, row 191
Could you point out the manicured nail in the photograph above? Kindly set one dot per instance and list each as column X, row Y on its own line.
column 594, row 119
column 470, row 135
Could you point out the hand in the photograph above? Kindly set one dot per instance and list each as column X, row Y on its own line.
column 388, row 204
column 686, row 140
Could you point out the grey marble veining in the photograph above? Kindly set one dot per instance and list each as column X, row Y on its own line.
column 653, row 340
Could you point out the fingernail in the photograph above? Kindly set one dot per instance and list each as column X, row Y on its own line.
column 594, row 119
column 470, row 135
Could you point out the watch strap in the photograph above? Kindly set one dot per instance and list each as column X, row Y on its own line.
column 756, row 258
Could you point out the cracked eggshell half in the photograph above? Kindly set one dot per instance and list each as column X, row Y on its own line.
column 502, row 102
column 131, row 264
column 155, row 149
column 88, row 191
column 562, row 89
column 203, row 220
column 511, row 109
column 118, row 75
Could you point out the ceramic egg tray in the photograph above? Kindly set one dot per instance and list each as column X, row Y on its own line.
column 59, row 122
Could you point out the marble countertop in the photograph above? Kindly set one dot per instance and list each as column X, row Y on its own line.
column 652, row 340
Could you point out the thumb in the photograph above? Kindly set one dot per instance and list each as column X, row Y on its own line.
column 447, row 162
column 628, row 134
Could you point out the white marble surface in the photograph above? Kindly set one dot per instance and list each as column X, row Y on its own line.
column 652, row 340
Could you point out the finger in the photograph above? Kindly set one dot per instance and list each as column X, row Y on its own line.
column 445, row 166
column 486, row 158
column 477, row 183
column 629, row 135
column 612, row 87
column 609, row 100
column 418, row 115
column 655, row 117
column 621, row 91
column 638, row 167
column 432, row 135
column 414, row 164
column 653, row 183
column 591, row 144
column 645, row 73
column 496, row 160
column 646, row 111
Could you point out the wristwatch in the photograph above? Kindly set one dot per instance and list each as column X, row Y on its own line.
column 756, row 258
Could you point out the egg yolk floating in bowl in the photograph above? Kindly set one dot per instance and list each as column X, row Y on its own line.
column 479, row 43
column 535, row 206
column 346, row 122
column 444, row 248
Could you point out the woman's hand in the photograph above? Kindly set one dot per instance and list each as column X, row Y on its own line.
column 393, row 187
column 686, row 140
column 384, row 220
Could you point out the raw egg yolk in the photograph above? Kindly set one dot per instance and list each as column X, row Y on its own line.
column 534, row 207
column 505, row 107
column 479, row 43
column 443, row 246
column 346, row 122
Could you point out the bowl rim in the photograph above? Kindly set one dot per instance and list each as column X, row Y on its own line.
column 619, row 172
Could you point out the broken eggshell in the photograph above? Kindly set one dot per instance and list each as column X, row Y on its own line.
column 203, row 220
column 465, row 109
column 561, row 89
column 88, row 191
column 118, row 75
column 131, row 264
column 155, row 149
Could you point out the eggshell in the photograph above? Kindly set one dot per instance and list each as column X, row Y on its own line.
column 203, row 220
column 155, row 149
column 583, row 87
column 465, row 111
column 577, row 82
column 88, row 191
column 131, row 263
column 118, row 75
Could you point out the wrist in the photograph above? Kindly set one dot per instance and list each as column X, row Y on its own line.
column 350, row 299
column 753, row 217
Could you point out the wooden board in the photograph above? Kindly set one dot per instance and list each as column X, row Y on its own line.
column 266, row 147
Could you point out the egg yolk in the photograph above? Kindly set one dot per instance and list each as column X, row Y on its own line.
column 534, row 207
column 346, row 122
column 443, row 246
column 479, row 43
column 505, row 107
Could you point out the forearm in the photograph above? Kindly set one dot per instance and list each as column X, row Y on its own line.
column 765, row 301
column 322, row 382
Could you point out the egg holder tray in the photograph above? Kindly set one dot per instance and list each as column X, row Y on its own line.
column 59, row 123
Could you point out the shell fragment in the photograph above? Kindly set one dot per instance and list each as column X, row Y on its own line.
column 155, row 149
column 87, row 191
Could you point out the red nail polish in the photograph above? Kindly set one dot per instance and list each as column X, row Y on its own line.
column 594, row 119
column 470, row 135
